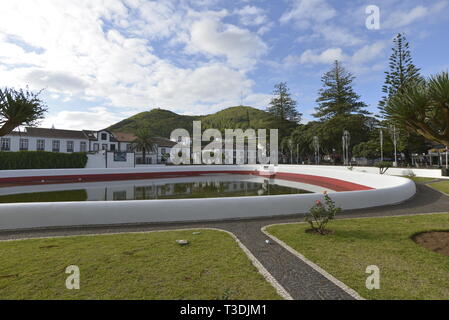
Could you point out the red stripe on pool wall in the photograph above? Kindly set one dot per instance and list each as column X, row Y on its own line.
column 325, row 182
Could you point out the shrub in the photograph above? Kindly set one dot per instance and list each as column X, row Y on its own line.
column 41, row 160
column 320, row 214
column 383, row 166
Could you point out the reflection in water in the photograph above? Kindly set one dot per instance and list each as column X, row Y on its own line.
column 149, row 190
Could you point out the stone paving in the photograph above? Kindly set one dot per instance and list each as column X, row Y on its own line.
column 297, row 277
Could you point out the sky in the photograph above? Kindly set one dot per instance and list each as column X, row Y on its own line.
column 100, row 61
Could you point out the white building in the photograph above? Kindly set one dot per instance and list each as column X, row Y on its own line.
column 68, row 141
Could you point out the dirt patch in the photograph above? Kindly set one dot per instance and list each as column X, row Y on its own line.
column 437, row 241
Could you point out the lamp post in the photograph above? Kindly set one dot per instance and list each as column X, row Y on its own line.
column 447, row 151
column 346, row 140
column 290, row 145
column 316, row 146
column 381, row 145
column 395, row 143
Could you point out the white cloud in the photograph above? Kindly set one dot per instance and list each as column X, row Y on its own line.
column 305, row 13
column 93, row 119
column 241, row 47
column 56, row 81
column 360, row 61
column 401, row 17
column 325, row 57
column 252, row 16
column 102, row 51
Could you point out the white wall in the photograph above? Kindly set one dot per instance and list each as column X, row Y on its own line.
column 32, row 143
column 389, row 190
column 428, row 173
column 98, row 160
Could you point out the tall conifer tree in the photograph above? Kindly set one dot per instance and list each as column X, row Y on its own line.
column 401, row 70
column 337, row 97
column 282, row 105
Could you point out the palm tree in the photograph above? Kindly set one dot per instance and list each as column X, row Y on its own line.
column 423, row 107
column 18, row 108
column 144, row 142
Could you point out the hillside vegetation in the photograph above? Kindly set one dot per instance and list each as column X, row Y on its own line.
column 162, row 122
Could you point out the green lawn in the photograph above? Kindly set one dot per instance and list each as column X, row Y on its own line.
column 132, row 266
column 442, row 186
column 408, row 271
column 422, row 179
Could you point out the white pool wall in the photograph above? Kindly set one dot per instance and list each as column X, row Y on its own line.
column 388, row 190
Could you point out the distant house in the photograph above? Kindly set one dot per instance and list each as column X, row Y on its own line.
column 68, row 141
column 160, row 155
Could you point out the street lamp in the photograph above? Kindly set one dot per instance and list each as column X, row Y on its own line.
column 381, row 145
column 316, row 146
column 395, row 143
column 346, row 140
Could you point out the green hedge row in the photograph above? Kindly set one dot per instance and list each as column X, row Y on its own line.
column 41, row 160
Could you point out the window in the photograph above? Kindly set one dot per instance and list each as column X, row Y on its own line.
column 112, row 147
column 23, row 144
column 55, row 146
column 83, row 146
column 104, row 136
column 40, row 145
column 129, row 147
column 96, row 147
column 163, row 150
column 5, row 144
column 119, row 195
column 104, row 147
column 69, row 146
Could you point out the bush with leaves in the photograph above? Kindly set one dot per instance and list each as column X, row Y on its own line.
column 321, row 213
column 383, row 166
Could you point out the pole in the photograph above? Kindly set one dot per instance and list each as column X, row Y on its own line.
column 381, row 145
column 395, row 148
column 447, row 151
column 297, row 154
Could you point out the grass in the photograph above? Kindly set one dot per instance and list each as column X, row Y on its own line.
column 407, row 270
column 421, row 179
column 132, row 266
column 442, row 186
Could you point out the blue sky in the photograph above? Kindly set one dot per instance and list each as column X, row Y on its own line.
column 103, row 60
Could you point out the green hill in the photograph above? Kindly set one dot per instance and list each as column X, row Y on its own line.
column 160, row 122
column 163, row 122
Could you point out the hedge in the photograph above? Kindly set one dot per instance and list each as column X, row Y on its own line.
column 41, row 160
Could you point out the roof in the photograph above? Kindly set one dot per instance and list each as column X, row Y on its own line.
column 91, row 135
column 130, row 137
column 124, row 136
column 163, row 142
column 55, row 133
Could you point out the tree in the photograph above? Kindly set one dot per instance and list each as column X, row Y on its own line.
column 337, row 97
column 402, row 70
column 282, row 105
column 17, row 108
column 144, row 142
column 423, row 108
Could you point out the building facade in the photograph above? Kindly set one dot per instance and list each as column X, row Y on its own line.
column 69, row 141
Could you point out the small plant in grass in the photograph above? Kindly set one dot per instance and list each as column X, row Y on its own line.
column 321, row 213
column 383, row 166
